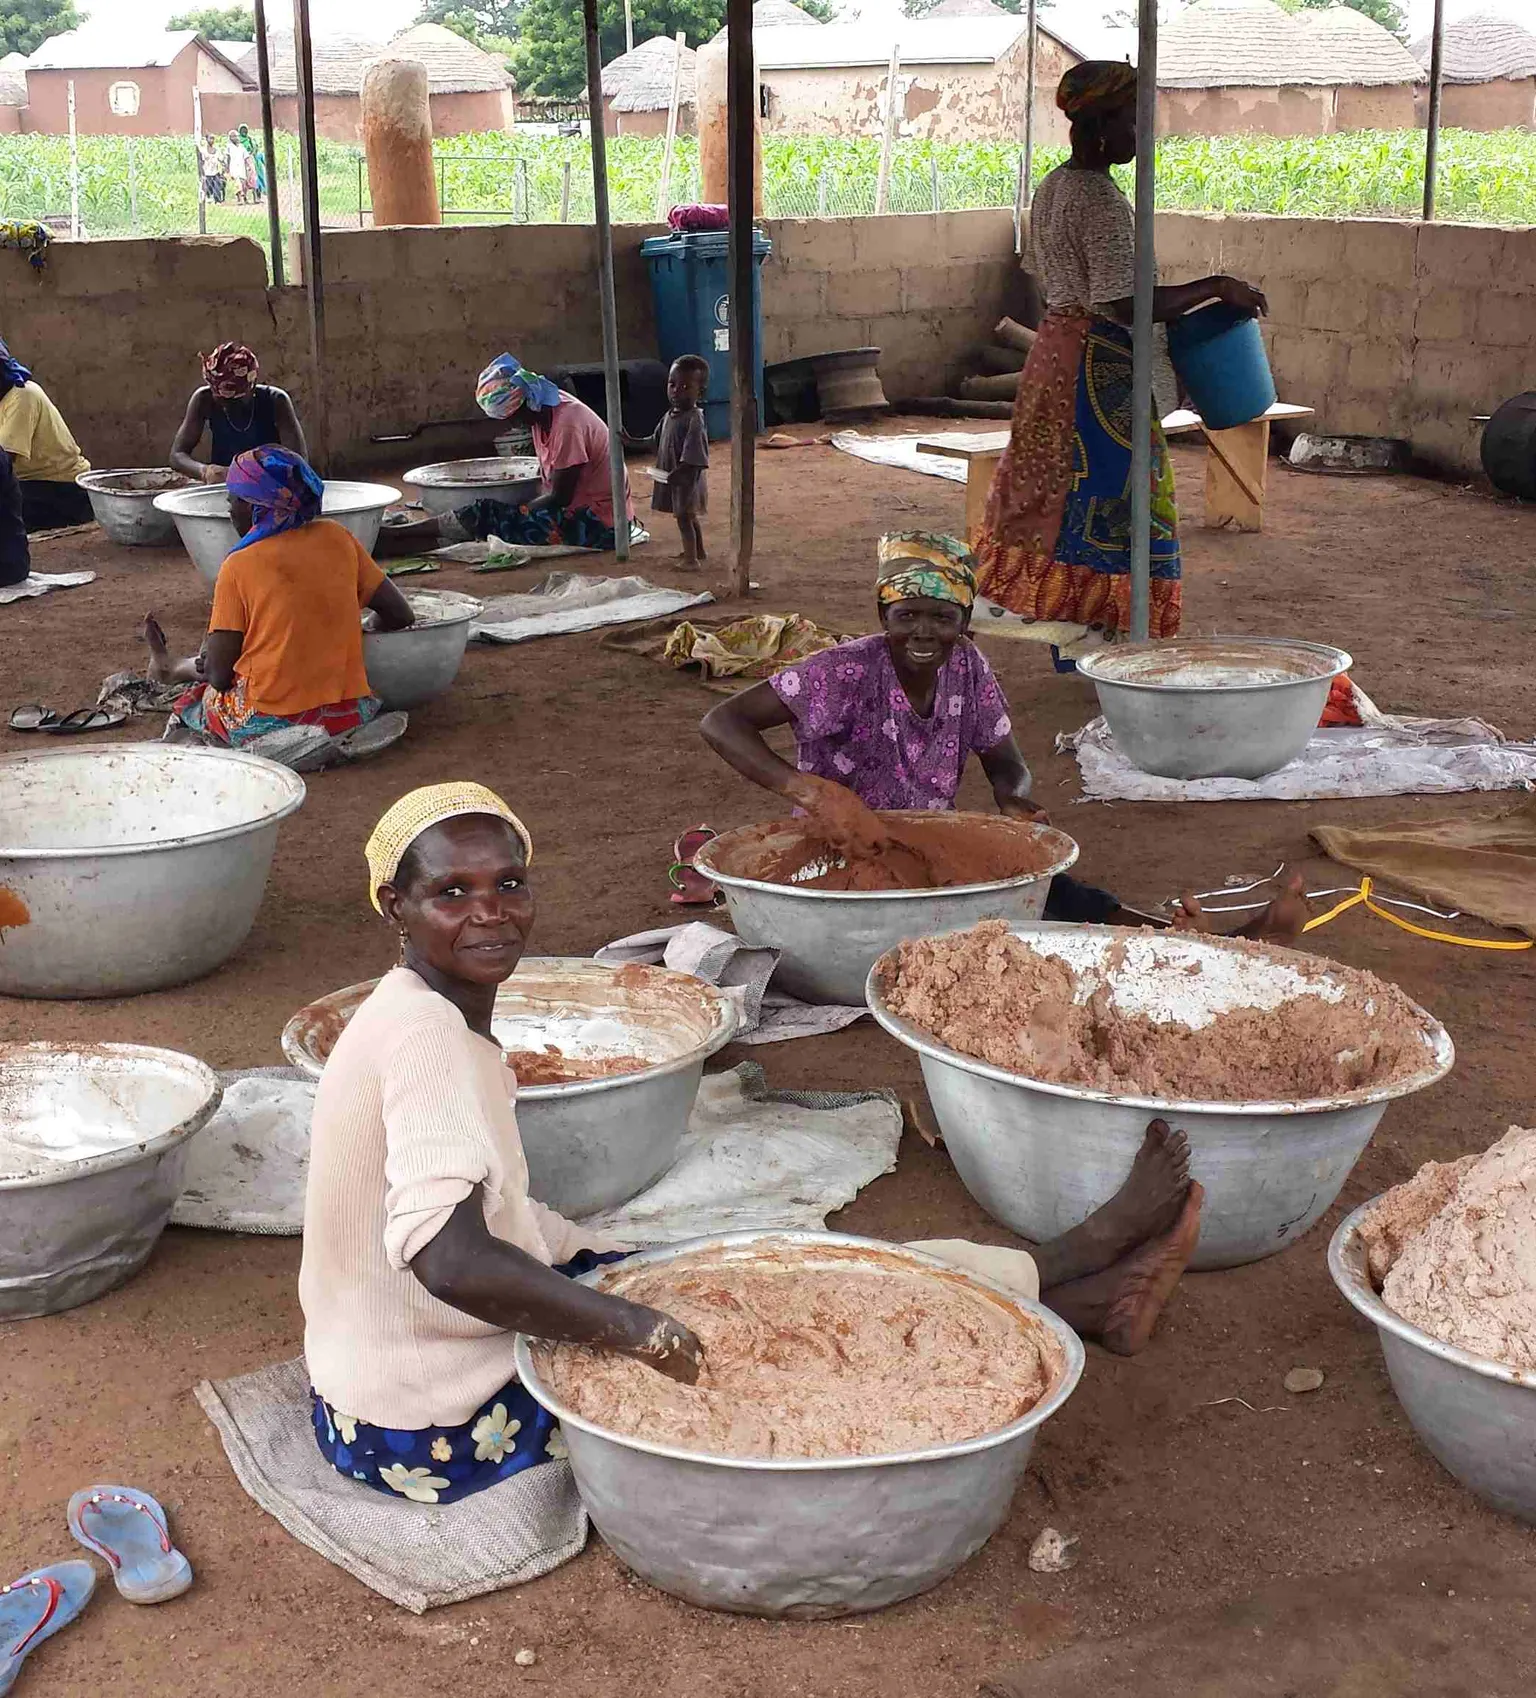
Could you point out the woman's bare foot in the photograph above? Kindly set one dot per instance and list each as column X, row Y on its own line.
column 160, row 663
column 1121, row 1306
column 1146, row 1205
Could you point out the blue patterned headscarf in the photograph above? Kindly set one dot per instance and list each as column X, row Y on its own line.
column 13, row 374
column 506, row 384
column 282, row 487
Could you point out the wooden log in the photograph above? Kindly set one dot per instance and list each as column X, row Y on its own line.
column 947, row 407
column 1000, row 361
column 989, row 388
column 1014, row 335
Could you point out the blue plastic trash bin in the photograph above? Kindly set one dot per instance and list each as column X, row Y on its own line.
column 690, row 282
column 1219, row 355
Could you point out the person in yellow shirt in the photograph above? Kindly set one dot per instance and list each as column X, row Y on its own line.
column 285, row 642
column 46, row 458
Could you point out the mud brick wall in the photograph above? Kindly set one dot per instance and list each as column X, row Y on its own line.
column 1384, row 326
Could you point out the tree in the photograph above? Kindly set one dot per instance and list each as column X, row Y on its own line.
column 26, row 24
column 479, row 21
column 217, row 23
column 554, row 60
column 1387, row 13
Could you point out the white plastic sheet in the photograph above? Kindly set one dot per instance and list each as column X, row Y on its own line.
column 567, row 601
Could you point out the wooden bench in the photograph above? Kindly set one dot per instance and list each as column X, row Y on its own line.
column 1236, row 465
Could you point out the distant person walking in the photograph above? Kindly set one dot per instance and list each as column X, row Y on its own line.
column 253, row 153
column 210, row 163
column 242, row 170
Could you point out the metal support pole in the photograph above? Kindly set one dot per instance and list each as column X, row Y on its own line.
column 74, row 168
column 741, row 125
column 1141, row 327
column 565, row 193
column 269, row 142
column 933, row 177
column 1432, row 129
column 615, row 405
column 629, row 27
column 314, row 279
column 1027, row 159
column 359, row 191
column 133, row 187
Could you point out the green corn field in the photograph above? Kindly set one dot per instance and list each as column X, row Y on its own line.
column 149, row 185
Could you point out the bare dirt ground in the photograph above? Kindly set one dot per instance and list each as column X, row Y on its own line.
column 1185, row 1499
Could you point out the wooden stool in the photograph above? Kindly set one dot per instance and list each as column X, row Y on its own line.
column 1236, row 465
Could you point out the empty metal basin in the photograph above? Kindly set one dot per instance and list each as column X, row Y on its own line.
column 93, row 1142
column 134, row 866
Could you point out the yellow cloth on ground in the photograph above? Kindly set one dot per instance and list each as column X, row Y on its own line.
column 34, row 434
column 1483, row 865
column 749, row 649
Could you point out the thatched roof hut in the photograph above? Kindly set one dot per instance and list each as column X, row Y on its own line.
column 1488, row 73
column 637, row 87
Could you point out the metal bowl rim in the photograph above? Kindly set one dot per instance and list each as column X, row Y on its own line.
column 734, row 881
column 1075, row 1358
column 728, row 1011
column 417, row 474
column 130, row 1153
column 379, row 495
column 1341, row 661
column 91, row 484
column 1358, row 1292
column 914, row 1037
column 196, row 839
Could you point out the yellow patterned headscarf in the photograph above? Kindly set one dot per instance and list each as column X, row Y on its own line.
column 925, row 563
column 419, row 811
column 1095, row 86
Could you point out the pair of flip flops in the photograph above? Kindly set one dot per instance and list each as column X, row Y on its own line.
column 33, row 716
column 690, row 887
column 129, row 1531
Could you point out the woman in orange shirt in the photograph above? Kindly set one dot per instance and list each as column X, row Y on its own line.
column 285, row 643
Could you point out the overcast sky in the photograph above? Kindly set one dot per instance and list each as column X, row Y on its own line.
column 378, row 19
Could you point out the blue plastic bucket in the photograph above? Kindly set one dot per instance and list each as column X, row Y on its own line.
column 1219, row 356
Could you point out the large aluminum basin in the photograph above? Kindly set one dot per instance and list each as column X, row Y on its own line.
column 1235, row 707
column 803, row 1536
column 1042, row 1157
column 1476, row 1416
column 139, row 865
column 201, row 516
column 93, row 1141
column 448, row 484
column 406, row 668
column 124, row 504
column 829, row 939
column 594, row 1143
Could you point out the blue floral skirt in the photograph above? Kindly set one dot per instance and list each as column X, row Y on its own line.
column 507, row 1433
column 576, row 527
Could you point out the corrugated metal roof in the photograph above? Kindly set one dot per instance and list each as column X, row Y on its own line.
column 113, row 48
column 641, row 80
column 1482, row 48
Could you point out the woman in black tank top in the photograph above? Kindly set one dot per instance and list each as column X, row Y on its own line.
column 237, row 412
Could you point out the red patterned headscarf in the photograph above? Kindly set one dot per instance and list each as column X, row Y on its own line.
column 230, row 371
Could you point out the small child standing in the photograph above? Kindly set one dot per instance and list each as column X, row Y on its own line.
column 681, row 477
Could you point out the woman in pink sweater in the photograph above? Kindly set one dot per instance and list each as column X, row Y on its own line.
column 424, row 1255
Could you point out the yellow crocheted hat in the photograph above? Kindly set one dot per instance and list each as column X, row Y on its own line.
column 417, row 812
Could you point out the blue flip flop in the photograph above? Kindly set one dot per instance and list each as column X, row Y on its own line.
column 128, row 1530
column 35, row 1607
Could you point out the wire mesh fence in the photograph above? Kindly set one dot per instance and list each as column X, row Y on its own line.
column 168, row 185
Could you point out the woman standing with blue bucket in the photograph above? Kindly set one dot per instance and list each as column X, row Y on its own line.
column 1056, row 541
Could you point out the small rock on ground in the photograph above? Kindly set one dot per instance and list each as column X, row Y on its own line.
column 1304, row 1379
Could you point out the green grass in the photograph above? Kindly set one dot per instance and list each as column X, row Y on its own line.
column 149, row 185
